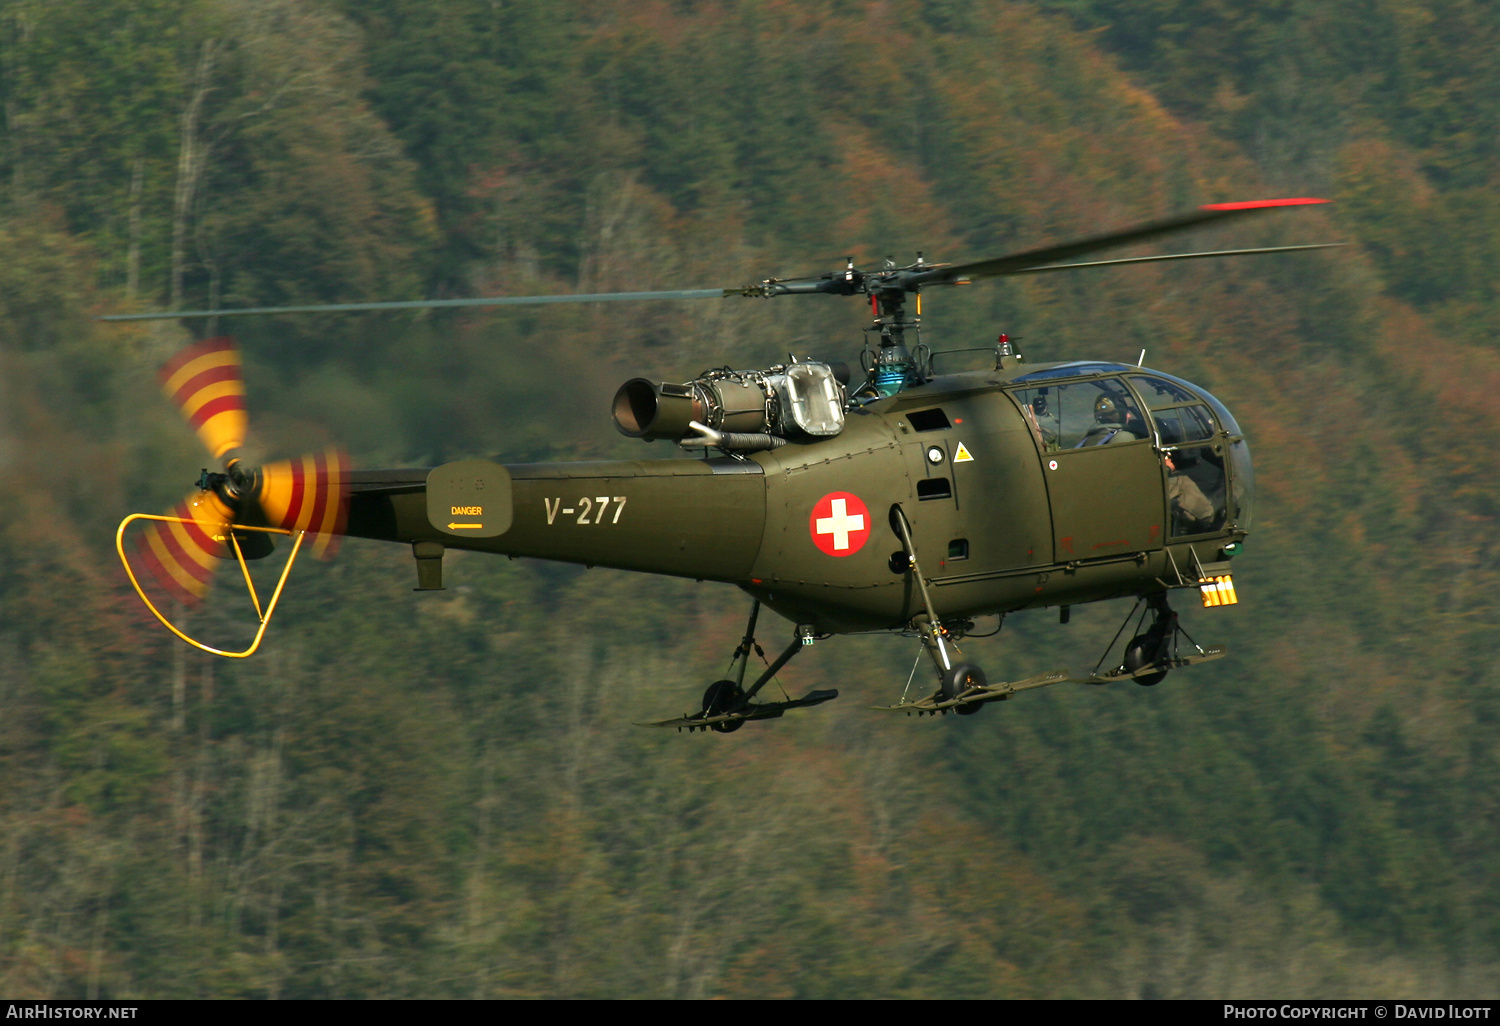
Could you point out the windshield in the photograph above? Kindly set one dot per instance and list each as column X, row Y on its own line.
column 1156, row 386
column 1081, row 414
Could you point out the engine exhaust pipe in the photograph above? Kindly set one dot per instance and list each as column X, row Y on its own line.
column 651, row 410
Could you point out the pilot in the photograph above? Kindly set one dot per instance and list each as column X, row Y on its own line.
column 1191, row 510
column 1037, row 416
column 1115, row 420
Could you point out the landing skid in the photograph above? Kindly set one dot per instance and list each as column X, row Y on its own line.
column 1203, row 655
column 937, row 704
column 962, row 687
column 1148, row 656
column 753, row 711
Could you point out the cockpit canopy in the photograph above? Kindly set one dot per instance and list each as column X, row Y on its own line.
column 1208, row 475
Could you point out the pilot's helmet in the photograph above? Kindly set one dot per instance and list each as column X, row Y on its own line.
column 1109, row 410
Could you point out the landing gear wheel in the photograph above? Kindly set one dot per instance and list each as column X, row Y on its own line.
column 1143, row 650
column 722, row 696
column 959, row 679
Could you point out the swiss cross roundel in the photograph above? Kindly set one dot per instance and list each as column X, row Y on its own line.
column 839, row 524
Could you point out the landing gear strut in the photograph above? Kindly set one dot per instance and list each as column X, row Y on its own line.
column 960, row 679
column 727, row 703
column 962, row 686
column 1150, row 647
column 723, row 696
column 1154, row 650
column 954, row 679
column 720, row 698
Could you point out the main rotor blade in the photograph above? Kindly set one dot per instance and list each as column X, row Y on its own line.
column 1047, row 258
column 1016, row 263
column 1176, row 256
column 427, row 304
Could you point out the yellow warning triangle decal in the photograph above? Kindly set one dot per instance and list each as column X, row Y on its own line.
column 962, row 456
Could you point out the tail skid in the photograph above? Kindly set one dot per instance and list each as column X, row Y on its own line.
column 263, row 616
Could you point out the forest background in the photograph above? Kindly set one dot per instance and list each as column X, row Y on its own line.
column 443, row 795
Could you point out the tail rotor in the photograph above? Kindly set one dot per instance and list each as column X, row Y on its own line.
column 233, row 513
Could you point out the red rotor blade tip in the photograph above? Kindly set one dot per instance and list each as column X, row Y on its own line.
column 1259, row 204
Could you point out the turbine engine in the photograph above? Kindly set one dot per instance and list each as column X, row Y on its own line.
column 737, row 410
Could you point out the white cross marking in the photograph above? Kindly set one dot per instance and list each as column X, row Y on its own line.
column 841, row 524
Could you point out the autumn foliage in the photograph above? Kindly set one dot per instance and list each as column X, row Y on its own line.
column 444, row 795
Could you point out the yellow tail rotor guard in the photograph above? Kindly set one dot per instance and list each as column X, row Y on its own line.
column 263, row 616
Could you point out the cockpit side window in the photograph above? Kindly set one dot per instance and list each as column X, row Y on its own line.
column 1179, row 415
column 1196, row 494
column 1184, row 424
column 1195, row 489
column 1081, row 414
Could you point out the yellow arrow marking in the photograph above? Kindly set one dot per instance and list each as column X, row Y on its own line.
column 465, row 527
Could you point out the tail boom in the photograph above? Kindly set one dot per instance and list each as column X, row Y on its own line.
column 685, row 518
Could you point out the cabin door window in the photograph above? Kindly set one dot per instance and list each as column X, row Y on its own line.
column 1104, row 480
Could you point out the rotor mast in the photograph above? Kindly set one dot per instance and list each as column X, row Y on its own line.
column 893, row 360
column 887, row 290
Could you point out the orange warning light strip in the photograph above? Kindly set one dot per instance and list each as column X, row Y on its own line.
column 1218, row 591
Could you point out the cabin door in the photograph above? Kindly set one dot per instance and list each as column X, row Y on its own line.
column 1104, row 478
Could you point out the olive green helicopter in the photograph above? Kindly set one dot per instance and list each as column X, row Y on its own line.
column 895, row 499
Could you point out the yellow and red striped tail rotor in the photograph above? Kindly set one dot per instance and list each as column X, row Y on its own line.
column 204, row 381
column 183, row 556
column 309, row 494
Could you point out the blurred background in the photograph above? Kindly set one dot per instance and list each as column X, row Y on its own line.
column 443, row 794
